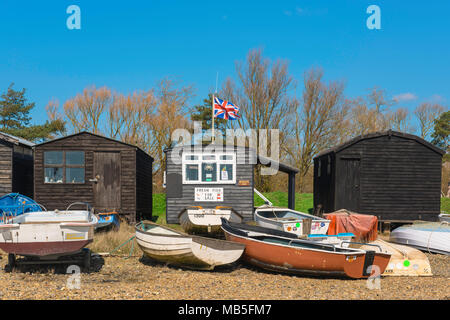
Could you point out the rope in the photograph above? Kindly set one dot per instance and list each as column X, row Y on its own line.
column 121, row 245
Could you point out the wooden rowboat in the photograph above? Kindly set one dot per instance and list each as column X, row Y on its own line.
column 197, row 220
column 177, row 248
column 271, row 251
column 289, row 220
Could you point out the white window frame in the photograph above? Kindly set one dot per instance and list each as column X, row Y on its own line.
column 199, row 162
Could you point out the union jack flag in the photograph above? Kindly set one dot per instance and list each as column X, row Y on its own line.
column 225, row 110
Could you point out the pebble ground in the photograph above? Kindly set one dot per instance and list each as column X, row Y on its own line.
column 140, row 278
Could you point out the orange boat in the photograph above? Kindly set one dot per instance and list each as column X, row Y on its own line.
column 279, row 251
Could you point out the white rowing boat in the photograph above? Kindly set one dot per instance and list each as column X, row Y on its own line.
column 425, row 236
column 176, row 248
column 197, row 220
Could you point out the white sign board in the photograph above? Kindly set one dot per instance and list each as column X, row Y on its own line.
column 209, row 194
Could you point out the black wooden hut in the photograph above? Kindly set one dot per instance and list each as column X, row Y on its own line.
column 110, row 175
column 392, row 175
column 216, row 175
column 16, row 165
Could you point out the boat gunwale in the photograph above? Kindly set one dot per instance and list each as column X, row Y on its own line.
column 350, row 251
column 264, row 208
column 195, row 238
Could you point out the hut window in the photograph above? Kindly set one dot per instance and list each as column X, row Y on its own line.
column 209, row 168
column 209, row 172
column 64, row 166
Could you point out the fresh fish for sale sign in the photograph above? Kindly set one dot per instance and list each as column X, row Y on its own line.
column 208, row 194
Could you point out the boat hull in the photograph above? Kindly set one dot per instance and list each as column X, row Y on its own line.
column 45, row 249
column 285, row 258
column 404, row 261
column 206, row 221
column 434, row 239
column 295, row 224
column 174, row 248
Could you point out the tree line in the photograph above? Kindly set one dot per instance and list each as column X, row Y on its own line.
column 321, row 116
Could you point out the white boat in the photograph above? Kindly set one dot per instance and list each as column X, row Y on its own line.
column 47, row 234
column 289, row 220
column 444, row 217
column 426, row 236
column 197, row 220
column 404, row 261
column 176, row 248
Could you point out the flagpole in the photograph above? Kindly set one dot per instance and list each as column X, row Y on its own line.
column 212, row 120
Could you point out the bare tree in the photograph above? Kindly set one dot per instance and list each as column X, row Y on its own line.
column 399, row 120
column 85, row 110
column 426, row 113
column 264, row 97
column 320, row 122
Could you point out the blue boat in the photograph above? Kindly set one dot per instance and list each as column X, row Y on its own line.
column 14, row 204
column 109, row 219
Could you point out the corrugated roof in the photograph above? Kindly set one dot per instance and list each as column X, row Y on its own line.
column 16, row 140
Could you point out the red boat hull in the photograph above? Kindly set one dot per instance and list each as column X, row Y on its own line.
column 305, row 261
column 42, row 249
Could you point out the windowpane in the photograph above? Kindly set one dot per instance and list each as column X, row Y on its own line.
column 53, row 175
column 226, row 172
column 226, row 157
column 191, row 157
column 209, row 172
column 74, row 175
column 75, row 157
column 192, row 172
column 53, row 157
column 209, row 157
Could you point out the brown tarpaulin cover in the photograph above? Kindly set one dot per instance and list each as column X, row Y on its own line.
column 363, row 226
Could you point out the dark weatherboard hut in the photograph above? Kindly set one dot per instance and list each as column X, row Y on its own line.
column 108, row 174
column 394, row 176
column 16, row 165
column 213, row 175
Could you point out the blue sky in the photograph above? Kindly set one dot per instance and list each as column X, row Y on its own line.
column 129, row 45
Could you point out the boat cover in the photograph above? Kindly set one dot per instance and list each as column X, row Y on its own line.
column 363, row 226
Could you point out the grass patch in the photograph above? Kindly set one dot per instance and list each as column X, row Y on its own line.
column 445, row 205
column 106, row 241
column 303, row 201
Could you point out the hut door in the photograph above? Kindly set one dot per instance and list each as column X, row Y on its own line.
column 107, row 187
column 351, row 186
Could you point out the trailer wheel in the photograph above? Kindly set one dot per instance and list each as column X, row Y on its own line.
column 87, row 260
column 11, row 262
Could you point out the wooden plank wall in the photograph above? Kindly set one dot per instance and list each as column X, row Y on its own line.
column 59, row 196
column 238, row 197
column 6, row 155
column 144, row 186
column 324, row 188
column 400, row 178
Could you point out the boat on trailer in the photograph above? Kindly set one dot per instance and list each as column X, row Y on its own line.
column 426, row 236
column 177, row 248
column 199, row 220
column 281, row 251
column 46, row 236
column 289, row 220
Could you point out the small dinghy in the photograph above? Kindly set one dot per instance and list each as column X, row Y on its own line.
column 405, row 261
column 288, row 220
column 106, row 220
column 48, row 235
column 444, row 217
column 197, row 220
column 176, row 248
column 15, row 204
column 426, row 236
column 280, row 251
